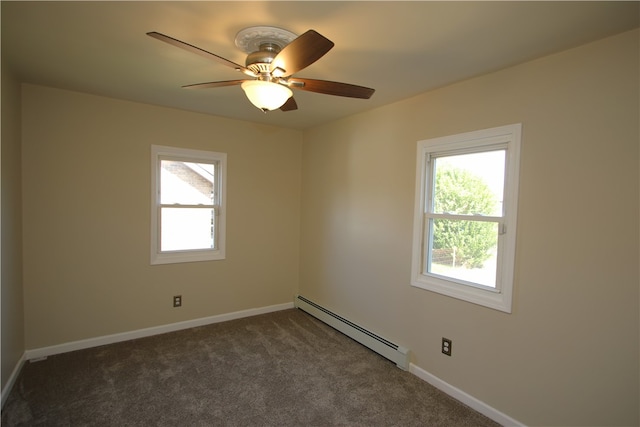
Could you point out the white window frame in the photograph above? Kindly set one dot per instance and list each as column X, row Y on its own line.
column 508, row 137
column 158, row 153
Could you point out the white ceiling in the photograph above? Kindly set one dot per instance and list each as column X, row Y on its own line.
column 399, row 48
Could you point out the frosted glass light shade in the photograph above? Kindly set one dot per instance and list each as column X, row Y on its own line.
column 266, row 95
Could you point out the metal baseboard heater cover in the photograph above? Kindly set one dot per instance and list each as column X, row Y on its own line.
column 397, row 354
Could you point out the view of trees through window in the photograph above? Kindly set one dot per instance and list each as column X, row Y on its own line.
column 467, row 201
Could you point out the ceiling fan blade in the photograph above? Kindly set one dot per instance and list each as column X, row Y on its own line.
column 289, row 105
column 331, row 88
column 300, row 53
column 201, row 52
column 210, row 85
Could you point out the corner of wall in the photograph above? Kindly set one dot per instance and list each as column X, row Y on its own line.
column 11, row 280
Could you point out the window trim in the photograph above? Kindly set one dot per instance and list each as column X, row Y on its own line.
column 158, row 153
column 510, row 136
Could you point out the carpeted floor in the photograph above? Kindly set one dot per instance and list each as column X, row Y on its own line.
column 278, row 369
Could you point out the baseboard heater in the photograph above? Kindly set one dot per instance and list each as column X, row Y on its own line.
column 397, row 354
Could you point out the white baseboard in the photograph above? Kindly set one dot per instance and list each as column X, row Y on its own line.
column 141, row 333
column 12, row 380
column 465, row 398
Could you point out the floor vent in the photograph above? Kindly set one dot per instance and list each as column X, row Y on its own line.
column 397, row 354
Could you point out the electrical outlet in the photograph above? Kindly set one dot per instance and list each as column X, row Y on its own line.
column 446, row 346
column 177, row 301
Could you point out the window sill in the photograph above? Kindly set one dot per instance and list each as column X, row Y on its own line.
column 186, row 256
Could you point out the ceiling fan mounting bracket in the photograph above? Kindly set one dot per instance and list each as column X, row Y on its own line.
column 251, row 39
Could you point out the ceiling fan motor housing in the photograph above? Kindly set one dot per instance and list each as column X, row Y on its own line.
column 260, row 60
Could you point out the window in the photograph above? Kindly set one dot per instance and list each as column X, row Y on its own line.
column 188, row 209
column 465, row 215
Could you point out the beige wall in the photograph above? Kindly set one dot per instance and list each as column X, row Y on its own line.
column 86, row 181
column 568, row 354
column 13, row 344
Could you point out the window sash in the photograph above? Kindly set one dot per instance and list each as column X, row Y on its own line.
column 217, row 233
column 214, row 231
column 182, row 159
column 426, row 268
column 429, row 215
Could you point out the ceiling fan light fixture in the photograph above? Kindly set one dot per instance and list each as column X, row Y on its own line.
column 266, row 95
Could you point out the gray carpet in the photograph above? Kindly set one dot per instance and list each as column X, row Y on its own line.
column 278, row 369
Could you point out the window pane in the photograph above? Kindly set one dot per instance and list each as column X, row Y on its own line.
column 186, row 183
column 469, row 184
column 464, row 250
column 187, row 229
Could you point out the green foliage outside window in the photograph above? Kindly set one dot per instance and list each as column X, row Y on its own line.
column 462, row 242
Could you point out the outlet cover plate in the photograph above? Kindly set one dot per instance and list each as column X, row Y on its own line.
column 446, row 346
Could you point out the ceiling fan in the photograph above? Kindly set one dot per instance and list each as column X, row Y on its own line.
column 274, row 55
